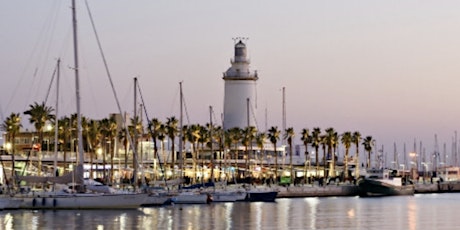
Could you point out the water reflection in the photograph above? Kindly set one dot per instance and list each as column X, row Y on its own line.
column 437, row 211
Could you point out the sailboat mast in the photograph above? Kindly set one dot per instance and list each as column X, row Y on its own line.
column 181, row 161
column 135, row 134
column 211, row 137
column 77, row 85
column 56, row 119
column 284, row 113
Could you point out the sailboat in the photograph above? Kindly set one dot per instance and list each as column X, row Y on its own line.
column 219, row 191
column 76, row 196
column 187, row 196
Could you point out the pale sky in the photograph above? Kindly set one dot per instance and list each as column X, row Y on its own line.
column 388, row 69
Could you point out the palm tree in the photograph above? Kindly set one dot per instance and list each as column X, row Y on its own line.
column 356, row 139
column 306, row 138
column 235, row 135
column 323, row 139
column 227, row 146
column 104, row 129
column 65, row 134
column 193, row 136
column 368, row 143
column 316, row 143
column 108, row 129
column 249, row 133
column 94, row 138
column 288, row 135
column 274, row 136
column 260, row 141
column 346, row 139
column 154, row 127
column 12, row 126
column 124, row 139
column 161, row 137
column 172, row 131
column 39, row 115
column 331, row 142
column 135, row 129
column 218, row 135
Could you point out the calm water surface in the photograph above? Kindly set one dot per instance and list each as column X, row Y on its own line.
column 431, row 211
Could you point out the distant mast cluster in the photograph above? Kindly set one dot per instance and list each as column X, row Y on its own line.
column 240, row 90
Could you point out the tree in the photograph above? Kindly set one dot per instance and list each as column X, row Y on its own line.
column 274, row 136
column 172, row 131
column 64, row 135
column 356, row 139
column 94, row 140
column 154, row 128
column 193, row 136
column 288, row 135
column 368, row 143
column 218, row 135
column 12, row 126
column 260, row 141
column 235, row 135
column 346, row 139
column 306, row 139
column 39, row 115
column 316, row 143
column 161, row 137
column 108, row 132
column 331, row 142
column 123, row 137
column 249, row 133
column 324, row 144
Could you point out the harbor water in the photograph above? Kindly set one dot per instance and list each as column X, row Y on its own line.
column 422, row 211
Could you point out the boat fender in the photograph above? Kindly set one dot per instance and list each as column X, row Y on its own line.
column 43, row 201
column 54, row 202
column 34, row 202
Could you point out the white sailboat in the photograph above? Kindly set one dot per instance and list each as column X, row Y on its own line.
column 78, row 197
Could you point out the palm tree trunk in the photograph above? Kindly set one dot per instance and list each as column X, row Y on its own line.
column 112, row 154
column 346, row 164
column 12, row 162
column 290, row 163
column 276, row 164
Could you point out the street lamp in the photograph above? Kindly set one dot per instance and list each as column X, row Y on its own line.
column 49, row 127
column 8, row 147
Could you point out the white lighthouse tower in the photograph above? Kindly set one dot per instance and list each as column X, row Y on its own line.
column 240, row 91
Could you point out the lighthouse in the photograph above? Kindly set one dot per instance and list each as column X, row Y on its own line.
column 240, row 91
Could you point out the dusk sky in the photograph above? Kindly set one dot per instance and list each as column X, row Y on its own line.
column 389, row 69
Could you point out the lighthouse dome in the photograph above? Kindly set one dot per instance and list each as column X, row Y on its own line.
column 240, row 49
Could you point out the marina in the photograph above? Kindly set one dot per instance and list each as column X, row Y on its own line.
column 148, row 162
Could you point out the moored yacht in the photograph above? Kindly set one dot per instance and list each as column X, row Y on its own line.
column 383, row 182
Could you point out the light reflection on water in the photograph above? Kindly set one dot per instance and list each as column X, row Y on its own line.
column 431, row 211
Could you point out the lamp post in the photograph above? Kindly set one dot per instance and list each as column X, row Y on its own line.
column 8, row 147
column 49, row 127
column 99, row 153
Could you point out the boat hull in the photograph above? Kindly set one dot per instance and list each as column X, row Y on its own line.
column 261, row 196
column 228, row 196
column 156, row 200
column 191, row 198
column 375, row 188
column 84, row 201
